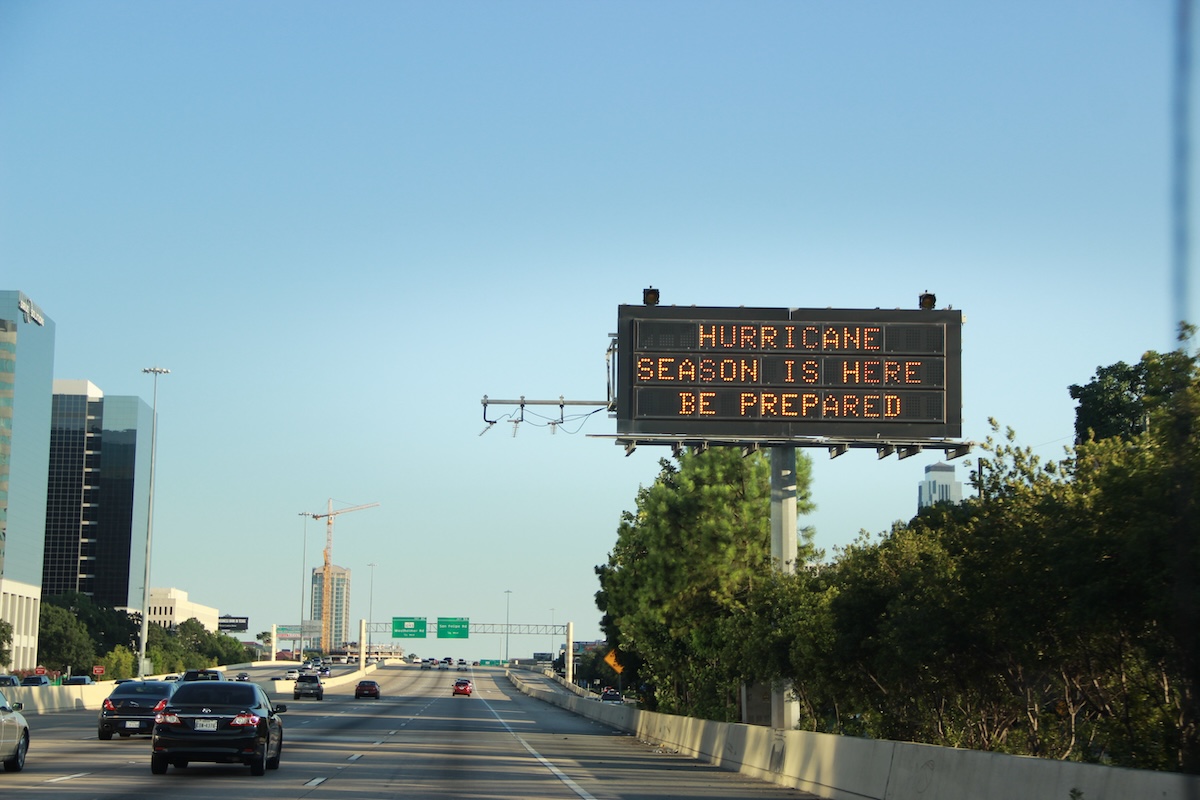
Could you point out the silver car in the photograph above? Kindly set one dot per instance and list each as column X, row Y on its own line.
column 14, row 735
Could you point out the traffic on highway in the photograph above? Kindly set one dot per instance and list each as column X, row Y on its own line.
column 420, row 738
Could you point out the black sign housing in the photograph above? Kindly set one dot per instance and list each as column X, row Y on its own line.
column 777, row 373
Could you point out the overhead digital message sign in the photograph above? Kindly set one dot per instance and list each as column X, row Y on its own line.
column 789, row 373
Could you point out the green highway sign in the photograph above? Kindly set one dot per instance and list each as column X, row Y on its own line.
column 453, row 627
column 409, row 628
column 490, row 662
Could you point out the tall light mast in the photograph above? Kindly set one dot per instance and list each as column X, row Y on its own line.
column 326, row 576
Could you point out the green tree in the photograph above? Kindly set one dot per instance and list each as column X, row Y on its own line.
column 683, row 568
column 1124, row 400
column 63, row 641
column 107, row 627
column 118, row 663
column 6, row 637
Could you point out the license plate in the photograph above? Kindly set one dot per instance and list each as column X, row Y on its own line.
column 132, row 723
column 206, row 724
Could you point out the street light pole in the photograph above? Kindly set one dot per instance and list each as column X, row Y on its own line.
column 303, row 580
column 141, row 665
column 371, row 607
column 507, row 597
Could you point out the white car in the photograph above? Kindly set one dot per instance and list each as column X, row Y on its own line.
column 14, row 735
column 292, row 674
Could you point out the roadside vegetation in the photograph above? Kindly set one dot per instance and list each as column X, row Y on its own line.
column 75, row 634
column 1053, row 614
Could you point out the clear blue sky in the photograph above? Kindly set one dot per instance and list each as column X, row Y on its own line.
column 341, row 224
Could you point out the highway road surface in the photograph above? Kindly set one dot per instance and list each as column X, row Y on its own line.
column 417, row 741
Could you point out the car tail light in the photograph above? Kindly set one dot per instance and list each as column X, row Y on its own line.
column 244, row 720
column 159, row 707
column 108, row 705
column 166, row 718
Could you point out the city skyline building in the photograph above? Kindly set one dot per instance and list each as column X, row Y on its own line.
column 939, row 486
column 169, row 607
column 97, row 495
column 26, row 385
column 339, row 600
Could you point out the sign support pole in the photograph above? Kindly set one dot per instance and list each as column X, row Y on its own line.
column 785, row 710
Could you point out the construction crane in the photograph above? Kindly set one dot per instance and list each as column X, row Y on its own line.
column 326, row 576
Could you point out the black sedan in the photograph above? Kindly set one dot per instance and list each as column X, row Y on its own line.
column 131, row 707
column 223, row 721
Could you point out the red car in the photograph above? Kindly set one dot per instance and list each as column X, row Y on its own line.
column 463, row 686
column 366, row 689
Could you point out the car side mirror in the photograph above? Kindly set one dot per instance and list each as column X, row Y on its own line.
column 17, row 706
column 280, row 708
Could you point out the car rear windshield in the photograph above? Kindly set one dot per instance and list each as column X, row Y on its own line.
column 140, row 689
column 224, row 694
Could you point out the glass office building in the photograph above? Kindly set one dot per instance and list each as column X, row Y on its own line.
column 26, row 384
column 339, row 601
column 97, row 495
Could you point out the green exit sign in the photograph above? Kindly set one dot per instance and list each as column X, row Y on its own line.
column 408, row 628
column 453, row 627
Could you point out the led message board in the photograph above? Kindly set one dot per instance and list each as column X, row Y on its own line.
column 789, row 373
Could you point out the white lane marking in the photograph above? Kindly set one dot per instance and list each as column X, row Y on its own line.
column 555, row 771
column 355, row 757
column 66, row 777
column 316, row 782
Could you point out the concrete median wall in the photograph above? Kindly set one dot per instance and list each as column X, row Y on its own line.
column 846, row 768
column 45, row 699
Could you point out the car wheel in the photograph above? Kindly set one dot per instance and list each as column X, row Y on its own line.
column 273, row 762
column 295, row 697
column 158, row 765
column 17, row 762
column 320, row 697
column 104, row 736
column 259, row 765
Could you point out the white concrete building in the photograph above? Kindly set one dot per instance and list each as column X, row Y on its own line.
column 169, row 607
column 939, row 485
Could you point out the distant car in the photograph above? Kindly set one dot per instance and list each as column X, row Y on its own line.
column 414, row 659
column 463, row 686
column 291, row 675
column 309, row 685
column 324, row 672
column 242, row 676
column 611, row 696
column 226, row 722
column 462, row 665
column 427, row 663
column 35, row 680
column 78, row 680
column 202, row 675
column 366, row 689
column 130, row 708
column 14, row 735
column 9, row 680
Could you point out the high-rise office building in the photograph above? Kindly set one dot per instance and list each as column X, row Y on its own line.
column 939, row 485
column 339, row 601
column 97, row 494
column 26, row 383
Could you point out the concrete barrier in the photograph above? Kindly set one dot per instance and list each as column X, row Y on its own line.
column 847, row 768
column 45, row 699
